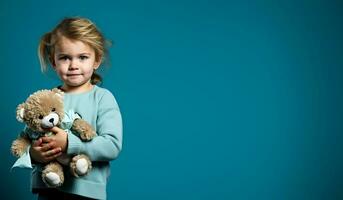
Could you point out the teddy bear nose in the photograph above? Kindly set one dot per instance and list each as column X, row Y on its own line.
column 51, row 120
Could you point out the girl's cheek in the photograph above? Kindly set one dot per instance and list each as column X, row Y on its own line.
column 62, row 66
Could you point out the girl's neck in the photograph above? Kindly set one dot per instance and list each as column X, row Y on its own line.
column 77, row 89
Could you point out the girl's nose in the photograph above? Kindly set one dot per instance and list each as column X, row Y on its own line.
column 73, row 65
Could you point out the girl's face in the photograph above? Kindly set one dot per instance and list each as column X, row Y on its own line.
column 74, row 62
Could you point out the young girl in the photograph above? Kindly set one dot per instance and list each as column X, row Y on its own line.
column 75, row 48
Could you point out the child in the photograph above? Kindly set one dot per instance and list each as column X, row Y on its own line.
column 75, row 49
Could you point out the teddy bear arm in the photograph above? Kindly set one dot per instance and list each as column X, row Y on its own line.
column 19, row 146
column 84, row 129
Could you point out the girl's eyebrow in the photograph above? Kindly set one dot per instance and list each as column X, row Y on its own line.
column 62, row 54
column 65, row 54
column 85, row 53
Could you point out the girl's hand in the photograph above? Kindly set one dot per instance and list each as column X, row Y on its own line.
column 58, row 139
column 44, row 153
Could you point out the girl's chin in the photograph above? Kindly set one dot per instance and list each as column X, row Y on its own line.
column 74, row 84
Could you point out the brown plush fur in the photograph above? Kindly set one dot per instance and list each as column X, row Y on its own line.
column 73, row 164
column 85, row 130
column 41, row 103
column 19, row 146
column 37, row 106
column 56, row 168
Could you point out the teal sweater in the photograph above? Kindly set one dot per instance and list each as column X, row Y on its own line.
column 100, row 109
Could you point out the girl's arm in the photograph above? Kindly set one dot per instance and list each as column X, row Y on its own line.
column 108, row 142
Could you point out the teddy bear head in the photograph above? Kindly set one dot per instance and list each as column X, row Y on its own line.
column 42, row 110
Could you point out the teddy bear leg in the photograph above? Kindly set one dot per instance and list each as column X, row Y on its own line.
column 53, row 174
column 80, row 165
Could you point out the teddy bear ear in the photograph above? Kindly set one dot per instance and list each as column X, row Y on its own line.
column 58, row 92
column 20, row 112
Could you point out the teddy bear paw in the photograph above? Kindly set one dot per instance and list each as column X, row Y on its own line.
column 16, row 151
column 87, row 135
column 80, row 165
column 18, row 148
column 52, row 179
column 53, row 175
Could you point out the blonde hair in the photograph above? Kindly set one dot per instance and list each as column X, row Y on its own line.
column 74, row 28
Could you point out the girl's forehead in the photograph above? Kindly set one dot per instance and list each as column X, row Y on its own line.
column 66, row 45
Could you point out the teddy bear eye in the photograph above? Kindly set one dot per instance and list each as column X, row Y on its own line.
column 40, row 117
column 53, row 109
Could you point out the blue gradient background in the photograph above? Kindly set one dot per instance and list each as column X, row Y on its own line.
column 220, row 99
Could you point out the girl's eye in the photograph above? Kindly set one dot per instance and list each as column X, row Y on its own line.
column 40, row 117
column 53, row 109
column 63, row 58
column 83, row 57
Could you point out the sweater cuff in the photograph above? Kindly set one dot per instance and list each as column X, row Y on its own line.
column 74, row 144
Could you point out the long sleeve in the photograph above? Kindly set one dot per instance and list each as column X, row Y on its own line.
column 99, row 108
column 107, row 144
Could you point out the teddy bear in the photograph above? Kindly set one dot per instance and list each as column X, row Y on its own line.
column 41, row 111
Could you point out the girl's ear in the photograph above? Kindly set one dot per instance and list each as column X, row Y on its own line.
column 52, row 61
column 96, row 66
column 97, row 62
